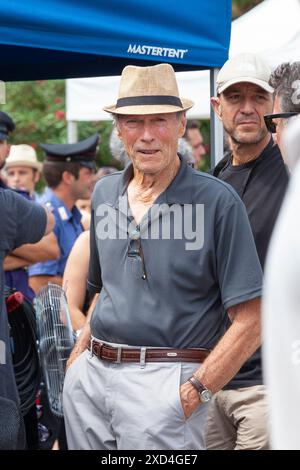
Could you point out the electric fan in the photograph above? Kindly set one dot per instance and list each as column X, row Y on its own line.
column 56, row 341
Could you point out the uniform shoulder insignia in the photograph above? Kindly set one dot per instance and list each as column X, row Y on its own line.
column 63, row 213
column 49, row 206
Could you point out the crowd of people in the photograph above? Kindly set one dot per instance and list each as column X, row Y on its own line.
column 163, row 266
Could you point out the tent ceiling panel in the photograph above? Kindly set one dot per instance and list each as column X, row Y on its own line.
column 76, row 38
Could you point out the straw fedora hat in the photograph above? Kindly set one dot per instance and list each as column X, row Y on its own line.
column 149, row 90
column 23, row 155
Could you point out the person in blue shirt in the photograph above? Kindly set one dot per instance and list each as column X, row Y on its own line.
column 68, row 170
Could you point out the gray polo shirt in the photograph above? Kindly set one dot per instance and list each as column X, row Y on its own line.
column 169, row 281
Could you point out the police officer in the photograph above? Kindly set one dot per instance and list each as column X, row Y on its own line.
column 7, row 126
column 68, row 170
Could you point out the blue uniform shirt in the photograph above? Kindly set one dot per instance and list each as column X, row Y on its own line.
column 67, row 228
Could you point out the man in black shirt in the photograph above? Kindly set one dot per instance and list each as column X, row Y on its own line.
column 238, row 414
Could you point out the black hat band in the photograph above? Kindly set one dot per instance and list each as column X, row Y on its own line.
column 149, row 100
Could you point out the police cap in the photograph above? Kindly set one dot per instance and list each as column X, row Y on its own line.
column 7, row 125
column 83, row 152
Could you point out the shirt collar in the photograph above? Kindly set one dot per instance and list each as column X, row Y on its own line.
column 74, row 212
column 179, row 191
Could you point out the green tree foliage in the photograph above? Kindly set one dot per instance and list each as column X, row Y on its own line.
column 38, row 109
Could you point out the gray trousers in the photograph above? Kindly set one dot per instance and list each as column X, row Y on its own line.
column 237, row 420
column 124, row 406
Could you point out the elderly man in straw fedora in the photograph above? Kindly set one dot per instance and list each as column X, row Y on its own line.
column 172, row 254
column 22, row 168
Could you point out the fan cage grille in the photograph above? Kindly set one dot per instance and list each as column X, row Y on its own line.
column 56, row 341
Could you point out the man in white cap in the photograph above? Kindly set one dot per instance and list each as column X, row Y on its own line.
column 22, row 168
column 255, row 169
column 147, row 379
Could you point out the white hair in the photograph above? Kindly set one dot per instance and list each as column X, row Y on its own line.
column 291, row 141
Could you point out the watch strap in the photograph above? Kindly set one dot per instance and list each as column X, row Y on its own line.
column 196, row 384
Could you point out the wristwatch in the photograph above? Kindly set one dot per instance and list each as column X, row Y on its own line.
column 205, row 395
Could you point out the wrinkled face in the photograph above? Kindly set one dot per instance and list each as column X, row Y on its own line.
column 83, row 186
column 4, row 151
column 241, row 108
column 151, row 140
column 196, row 140
column 22, row 177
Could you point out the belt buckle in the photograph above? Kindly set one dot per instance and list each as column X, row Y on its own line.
column 143, row 358
column 91, row 348
column 119, row 354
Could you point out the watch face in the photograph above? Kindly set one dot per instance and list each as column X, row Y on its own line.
column 206, row 396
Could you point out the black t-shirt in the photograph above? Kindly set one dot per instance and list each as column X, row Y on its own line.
column 261, row 184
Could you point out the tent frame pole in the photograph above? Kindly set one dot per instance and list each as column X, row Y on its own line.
column 72, row 132
column 216, row 126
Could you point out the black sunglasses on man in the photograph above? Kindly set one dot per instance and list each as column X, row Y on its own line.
column 271, row 125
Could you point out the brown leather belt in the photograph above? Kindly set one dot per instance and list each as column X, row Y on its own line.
column 118, row 355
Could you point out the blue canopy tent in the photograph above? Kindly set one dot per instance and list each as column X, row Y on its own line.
column 75, row 38
column 83, row 38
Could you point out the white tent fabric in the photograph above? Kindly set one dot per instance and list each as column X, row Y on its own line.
column 271, row 29
column 86, row 97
